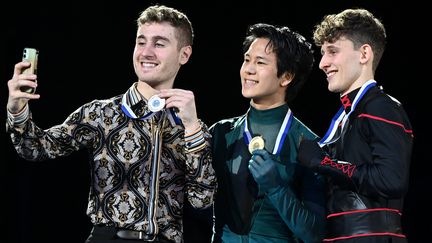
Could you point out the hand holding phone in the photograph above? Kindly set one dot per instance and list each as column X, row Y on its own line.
column 30, row 55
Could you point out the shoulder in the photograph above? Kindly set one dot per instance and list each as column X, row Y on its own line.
column 101, row 104
column 228, row 123
column 384, row 106
column 299, row 128
column 383, row 109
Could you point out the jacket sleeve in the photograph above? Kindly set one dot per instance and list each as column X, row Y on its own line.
column 200, row 176
column 301, row 202
column 35, row 144
column 303, row 210
column 389, row 135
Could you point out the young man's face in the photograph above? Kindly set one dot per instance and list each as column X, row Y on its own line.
column 341, row 64
column 259, row 75
column 157, row 57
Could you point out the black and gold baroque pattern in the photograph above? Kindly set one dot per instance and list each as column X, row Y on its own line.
column 120, row 176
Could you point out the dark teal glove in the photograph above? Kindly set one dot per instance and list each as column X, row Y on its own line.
column 263, row 168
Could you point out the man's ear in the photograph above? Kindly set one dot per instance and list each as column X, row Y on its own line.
column 366, row 54
column 286, row 79
column 185, row 54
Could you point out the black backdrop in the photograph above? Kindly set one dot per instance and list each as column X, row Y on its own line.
column 86, row 53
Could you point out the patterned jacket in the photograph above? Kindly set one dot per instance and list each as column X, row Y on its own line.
column 136, row 183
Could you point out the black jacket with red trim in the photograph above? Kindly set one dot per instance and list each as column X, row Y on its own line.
column 378, row 141
column 369, row 166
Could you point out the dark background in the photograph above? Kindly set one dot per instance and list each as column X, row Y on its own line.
column 86, row 53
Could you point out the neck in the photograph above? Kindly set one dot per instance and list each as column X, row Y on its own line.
column 264, row 106
column 357, row 84
column 146, row 90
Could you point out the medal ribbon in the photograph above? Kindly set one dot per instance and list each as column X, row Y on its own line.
column 339, row 120
column 128, row 111
column 172, row 116
column 283, row 131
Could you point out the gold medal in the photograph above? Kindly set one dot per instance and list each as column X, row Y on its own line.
column 256, row 143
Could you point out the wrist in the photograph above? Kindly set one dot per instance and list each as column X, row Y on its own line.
column 17, row 112
column 193, row 127
column 274, row 189
column 19, row 118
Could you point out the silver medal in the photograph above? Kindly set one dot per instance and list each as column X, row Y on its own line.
column 155, row 103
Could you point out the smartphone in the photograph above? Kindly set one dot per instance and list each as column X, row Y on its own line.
column 30, row 55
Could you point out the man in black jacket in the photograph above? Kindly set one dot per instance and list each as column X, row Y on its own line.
column 367, row 150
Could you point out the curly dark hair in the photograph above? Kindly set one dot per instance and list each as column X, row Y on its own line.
column 358, row 26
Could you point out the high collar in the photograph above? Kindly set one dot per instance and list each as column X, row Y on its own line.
column 136, row 101
column 347, row 100
column 352, row 98
column 269, row 116
column 134, row 105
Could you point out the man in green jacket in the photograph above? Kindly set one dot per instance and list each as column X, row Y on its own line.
column 263, row 194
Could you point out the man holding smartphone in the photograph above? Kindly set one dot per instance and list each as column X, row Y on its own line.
column 149, row 151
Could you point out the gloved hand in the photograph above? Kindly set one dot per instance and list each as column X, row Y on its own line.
column 263, row 168
column 310, row 154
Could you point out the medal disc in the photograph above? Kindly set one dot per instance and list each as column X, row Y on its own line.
column 155, row 103
column 256, row 143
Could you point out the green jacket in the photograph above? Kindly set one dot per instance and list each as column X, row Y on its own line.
column 294, row 212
